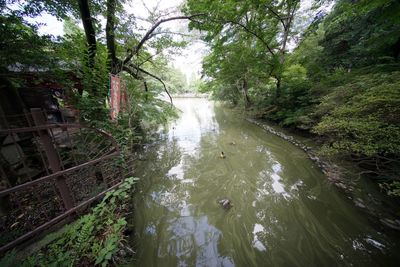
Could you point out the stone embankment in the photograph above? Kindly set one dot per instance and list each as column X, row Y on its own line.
column 331, row 170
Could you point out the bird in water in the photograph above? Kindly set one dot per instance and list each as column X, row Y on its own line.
column 232, row 143
column 222, row 155
column 225, row 203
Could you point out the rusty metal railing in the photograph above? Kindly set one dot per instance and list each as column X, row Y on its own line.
column 49, row 172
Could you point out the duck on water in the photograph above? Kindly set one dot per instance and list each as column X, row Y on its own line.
column 225, row 203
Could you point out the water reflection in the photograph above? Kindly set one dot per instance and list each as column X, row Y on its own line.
column 194, row 122
column 193, row 238
column 284, row 212
column 176, row 171
column 258, row 228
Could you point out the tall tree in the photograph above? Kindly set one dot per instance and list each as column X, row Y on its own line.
column 268, row 23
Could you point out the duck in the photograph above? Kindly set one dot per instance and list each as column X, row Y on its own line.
column 225, row 203
column 222, row 155
column 233, row 143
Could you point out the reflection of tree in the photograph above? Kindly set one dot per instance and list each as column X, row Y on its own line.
column 159, row 158
column 193, row 239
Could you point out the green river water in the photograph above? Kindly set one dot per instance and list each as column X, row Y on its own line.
column 285, row 212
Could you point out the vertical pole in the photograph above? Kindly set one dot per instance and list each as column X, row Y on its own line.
column 53, row 158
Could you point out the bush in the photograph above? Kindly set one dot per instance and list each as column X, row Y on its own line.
column 362, row 117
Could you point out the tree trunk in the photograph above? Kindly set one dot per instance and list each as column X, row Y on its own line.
column 286, row 24
column 114, row 66
column 247, row 102
column 278, row 86
column 89, row 31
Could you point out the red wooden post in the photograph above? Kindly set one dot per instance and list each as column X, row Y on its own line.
column 52, row 157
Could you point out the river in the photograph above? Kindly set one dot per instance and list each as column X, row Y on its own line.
column 285, row 212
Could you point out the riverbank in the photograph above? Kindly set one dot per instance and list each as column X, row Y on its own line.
column 340, row 175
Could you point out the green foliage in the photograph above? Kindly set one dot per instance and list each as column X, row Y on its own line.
column 175, row 80
column 93, row 81
column 362, row 116
column 8, row 259
column 17, row 39
column 309, row 52
column 144, row 113
column 392, row 189
column 145, row 110
column 359, row 33
column 197, row 85
column 248, row 42
column 294, row 101
column 66, row 61
column 93, row 239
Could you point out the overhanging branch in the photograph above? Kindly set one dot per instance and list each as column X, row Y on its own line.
column 158, row 79
column 244, row 27
column 134, row 73
column 149, row 58
column 149, row 35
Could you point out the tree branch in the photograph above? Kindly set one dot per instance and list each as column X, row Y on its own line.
column 169, row 32
column 131, row 71
column 158, row 79
column 136, row 76
column 274, row 12
column 149, row 33
column 149, row 58
column 252, row 33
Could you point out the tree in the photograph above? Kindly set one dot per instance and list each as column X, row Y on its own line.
column 266, row 25
column 361, row 33
column 130, row 59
